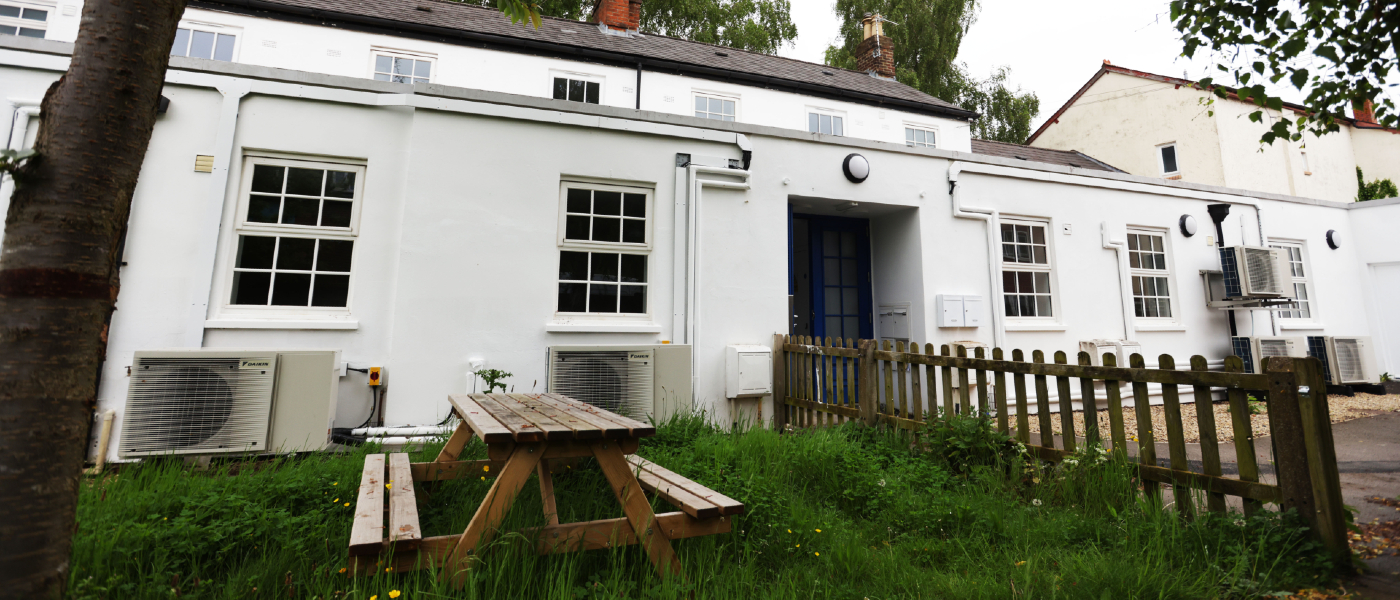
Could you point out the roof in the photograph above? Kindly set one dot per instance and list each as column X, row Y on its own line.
column 1068, row 158
column 1178, row 82
column 454, row 22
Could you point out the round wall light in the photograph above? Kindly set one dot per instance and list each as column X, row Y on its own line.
column 1333, row 239
column 1187, row 223
column 856, row 168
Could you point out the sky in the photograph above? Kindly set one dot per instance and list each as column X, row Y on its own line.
column 1053, row 48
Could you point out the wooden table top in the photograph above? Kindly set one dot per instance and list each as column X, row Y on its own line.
column 506, row 418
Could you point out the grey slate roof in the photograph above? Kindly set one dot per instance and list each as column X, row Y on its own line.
column 1068, row 158
column 555, row 35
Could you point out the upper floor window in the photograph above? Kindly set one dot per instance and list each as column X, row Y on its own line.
column 1167, row 154
column 604, row 249
column 400, row 68
column 821, row 121
column 1302, row 285
column 1147, row 264
column 28, row 21
column 297, row 234
column 715, row 107
column 195, row 42
column 1026, row 269
column 577, row 90
column 920, row 137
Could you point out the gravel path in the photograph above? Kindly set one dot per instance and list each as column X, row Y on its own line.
column 1343, row 408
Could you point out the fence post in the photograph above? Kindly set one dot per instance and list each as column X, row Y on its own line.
column 1322, row 459
column 867, row 382
column 1290, row 449
column 779, row 382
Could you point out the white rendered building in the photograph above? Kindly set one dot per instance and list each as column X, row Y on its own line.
column 291, row 200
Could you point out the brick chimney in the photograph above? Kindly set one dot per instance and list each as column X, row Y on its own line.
column 1364, row 112
column 617, row 16
column 875, row 54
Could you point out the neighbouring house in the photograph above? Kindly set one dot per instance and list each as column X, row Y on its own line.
column 425, row 187
column 1159, row 126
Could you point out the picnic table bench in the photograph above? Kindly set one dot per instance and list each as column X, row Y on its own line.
column 529, row 434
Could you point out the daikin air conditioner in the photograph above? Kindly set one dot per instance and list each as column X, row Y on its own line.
column 1345, row 360
column 1253, row 350
column 1256, row 272
column 1120, row 349
column 199, row 401
column 637, row 381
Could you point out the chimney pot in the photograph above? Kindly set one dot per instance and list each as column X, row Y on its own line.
column 621, row 16
column 875, row 54
column 1364, row 112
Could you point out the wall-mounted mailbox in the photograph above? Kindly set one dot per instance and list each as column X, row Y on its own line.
column 894, row 321
column 748, row 371
column 958, row 311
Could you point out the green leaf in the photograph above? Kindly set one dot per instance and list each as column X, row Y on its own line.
column 1257, row 116
column 1328, row 53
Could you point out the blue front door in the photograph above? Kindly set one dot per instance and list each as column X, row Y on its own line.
column 835, row 258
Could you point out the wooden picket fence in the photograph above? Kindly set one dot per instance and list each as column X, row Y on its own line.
column 825, row 382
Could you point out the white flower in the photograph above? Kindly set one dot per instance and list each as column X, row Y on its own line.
column 882, row 483
column 1036, row 502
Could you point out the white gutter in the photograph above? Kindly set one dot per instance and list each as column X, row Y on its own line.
column 205, row 254
column 993, row 220
column 1125, row 293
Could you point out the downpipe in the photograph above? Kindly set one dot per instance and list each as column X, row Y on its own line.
column 1120, row 249
column 993, row 220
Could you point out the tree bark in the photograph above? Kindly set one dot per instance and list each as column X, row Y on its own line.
column 59, row 275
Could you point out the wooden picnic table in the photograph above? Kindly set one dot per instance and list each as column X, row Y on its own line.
column 524, row 435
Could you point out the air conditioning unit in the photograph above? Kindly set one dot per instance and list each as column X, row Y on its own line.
column 1256, row 272
column 200, row 401
column 1345, row 360
column 637, row 381
column 1122, row 350
column 1253, row 350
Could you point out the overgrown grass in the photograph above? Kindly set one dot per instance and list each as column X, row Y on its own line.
column 848, row 512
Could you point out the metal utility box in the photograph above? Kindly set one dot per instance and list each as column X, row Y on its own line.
column 894, row 321
column 748, row 371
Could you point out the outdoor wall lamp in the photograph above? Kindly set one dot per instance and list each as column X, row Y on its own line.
column 1333, row 239
column 1187, row 223
column 856, row 168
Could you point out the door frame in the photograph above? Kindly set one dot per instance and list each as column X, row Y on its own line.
column 816, row 225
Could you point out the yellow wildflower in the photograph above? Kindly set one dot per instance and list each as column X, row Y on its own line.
column 342, row 569
column 393, row 593
column 1020, row 563
column 388, row 486
column 789, row 531
column 799, row 545
column 819, row 531
column 336, row 483
column 817, row 553
column 483, row 478
column 347, row 504
column 374, row 597
column 388, row 569
column 485, row 467
column 336, row 500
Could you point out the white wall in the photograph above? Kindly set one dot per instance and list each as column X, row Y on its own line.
column 1373, row 236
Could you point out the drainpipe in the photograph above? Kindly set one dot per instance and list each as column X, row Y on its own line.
column 639, row 86
column 1218, row 212
column 24, row 110
column 208, row 249
column 1120, row 248
column 993, row 221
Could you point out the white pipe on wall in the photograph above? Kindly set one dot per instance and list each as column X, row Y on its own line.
column 383, row 431
column 993, row 220
column 1120, row 249
column 692, row 275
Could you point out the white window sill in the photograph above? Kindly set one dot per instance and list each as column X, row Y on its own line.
column 1161, row 327
column 604, row 327
column 1286, row 324
column 1035, row 327
column 280, row 324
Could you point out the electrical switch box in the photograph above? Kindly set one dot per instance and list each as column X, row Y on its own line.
column 376, row 376
column 748, row 371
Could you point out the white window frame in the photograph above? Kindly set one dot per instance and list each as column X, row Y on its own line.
column 696, row 94
column 642, row 249
column 20, row 22
column 1301, row 249
column 217, row 29
column 1049, row 269
column 575, row 75
column 1166, row 272
column 927, row 129
column 1162, row 163
column 242, row 226
column 376, row 51
column 819, row 111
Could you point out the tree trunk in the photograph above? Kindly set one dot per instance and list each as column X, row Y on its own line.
column 58, row 277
